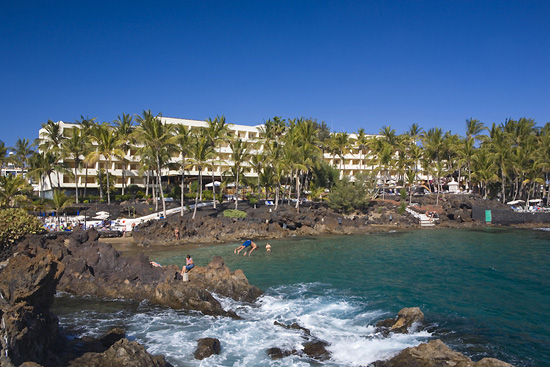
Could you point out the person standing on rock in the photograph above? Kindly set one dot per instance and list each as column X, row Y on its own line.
column 245, row 245
column 177, row 233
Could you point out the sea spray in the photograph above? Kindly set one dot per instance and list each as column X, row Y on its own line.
column 346, row 324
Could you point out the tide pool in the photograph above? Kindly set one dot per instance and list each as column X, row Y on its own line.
column 484, row 292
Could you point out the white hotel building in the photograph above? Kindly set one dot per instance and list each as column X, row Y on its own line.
column 132, row 176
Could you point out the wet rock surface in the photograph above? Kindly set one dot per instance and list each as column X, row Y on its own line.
column 95, row 268
column 406, row 319
column 436, row 354
column 122, row 353
column 27, row 289
column 207, row 347
column 30, row 333
column 313, row 347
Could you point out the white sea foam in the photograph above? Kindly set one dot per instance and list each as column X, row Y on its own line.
column 344, row 322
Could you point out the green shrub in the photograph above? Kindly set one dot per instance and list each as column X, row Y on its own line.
column 16, row 223
column 232, row 213
column 402, row 207
column 207, row 195
column 175, row 192
column 347, row 196
column 140, row 194
column 253, row 200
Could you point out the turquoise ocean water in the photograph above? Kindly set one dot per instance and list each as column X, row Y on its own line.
column 484, row 292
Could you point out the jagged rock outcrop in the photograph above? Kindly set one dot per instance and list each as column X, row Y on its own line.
column 406, row 318
column 122, row 353
column 27, row 290
column 207, row 347
column 95, row 268
column 313, row 347
column 436, row 354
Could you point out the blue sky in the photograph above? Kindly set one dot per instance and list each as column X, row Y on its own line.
column 352, row 64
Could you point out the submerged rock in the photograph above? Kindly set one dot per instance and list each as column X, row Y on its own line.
column 122, row 353
column 207, row 347
column 406, row 318
column 436, row 354
column 313, row 347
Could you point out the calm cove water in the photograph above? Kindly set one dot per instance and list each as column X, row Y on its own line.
column 485, row 292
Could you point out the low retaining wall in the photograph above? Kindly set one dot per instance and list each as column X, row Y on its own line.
column 508, row 217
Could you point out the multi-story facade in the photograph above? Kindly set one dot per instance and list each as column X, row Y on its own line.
column 353, row 163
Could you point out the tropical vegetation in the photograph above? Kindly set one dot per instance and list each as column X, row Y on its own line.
column 290, row 160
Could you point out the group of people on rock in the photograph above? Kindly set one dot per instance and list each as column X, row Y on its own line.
column 248, row 246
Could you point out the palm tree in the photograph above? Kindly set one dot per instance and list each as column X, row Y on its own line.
column 3, row 154
column 158, row 137
column 500, row 149
column 473, row 128
column 341, row 144
column 12, row 190
column 23, row 151
column 362, row 145
column 239, row 155
column 51, row 141
column 42, row 165
column 415, row 132
column 58, row 202
column 257, row 162
column 484, row 170
column 75, row 146
column 108, row 146
column 183, row 141
column 87, row 125
column 124, row 129
column 201, row 151
column 308, row 152
column 465, row 156
column 433, row 147
column 218, row 131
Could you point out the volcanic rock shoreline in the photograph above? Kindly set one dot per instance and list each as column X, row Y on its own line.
column 210, row 225
column 82, row 265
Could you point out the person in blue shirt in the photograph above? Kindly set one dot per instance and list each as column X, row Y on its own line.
column 246, row 245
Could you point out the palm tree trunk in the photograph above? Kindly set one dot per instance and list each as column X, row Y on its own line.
column 86, row 182
column 237, row 190
column 100, row 183
column 76, row 184
column 289, row 184
column 155, row 193
column 50, row 179
column 277, row 196
column 160, row 186
column 503, row 183
column 213, row 191
column 182, row 195
column 123, row 179
column 108, row 184
column 197, row 195
column 297, row 191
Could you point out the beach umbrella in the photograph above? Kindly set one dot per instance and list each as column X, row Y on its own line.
column 535, row 201
column 211, row 184
column 514, row 202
